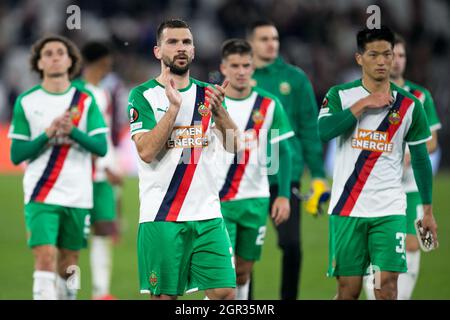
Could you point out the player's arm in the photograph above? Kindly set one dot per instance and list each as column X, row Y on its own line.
column 22, row 147
column 94, row 140
column 433, row 121
column 150, row 143
column 416, row 137
column 333, row 121
column 229, row 132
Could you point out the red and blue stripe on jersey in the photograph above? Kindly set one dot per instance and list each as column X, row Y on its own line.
column 170, row 207
column 237, row 168
column 367, row 160
column 58, row 155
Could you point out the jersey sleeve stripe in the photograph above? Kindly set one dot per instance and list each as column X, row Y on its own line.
column 413, row 143
column 182, row 178
column 98, row 131
column 324, row 115
column 18, row 136
column 139, row 131
column 367, row 160
column 237, row 169
column 284, row 136
column 435, row 127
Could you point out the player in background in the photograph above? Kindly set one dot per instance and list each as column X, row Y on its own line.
column 414, row 209
column 56, row 127
column 372, row 119
column 176, row 123
column 98, row 61
column 244, row 186
column 293, row 88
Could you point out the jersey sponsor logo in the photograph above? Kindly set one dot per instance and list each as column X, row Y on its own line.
column 134, row 115
column 203, row 110
column 285, row 88
column 394, row 117
column 376, row 141
column 187, row 137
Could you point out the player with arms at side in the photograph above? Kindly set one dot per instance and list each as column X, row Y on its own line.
column 292, row 87
column 183, row 243
column 56, row 127
column 372, row 119
column 244, row 186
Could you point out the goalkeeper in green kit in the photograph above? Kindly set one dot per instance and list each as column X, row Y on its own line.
column 291, row 85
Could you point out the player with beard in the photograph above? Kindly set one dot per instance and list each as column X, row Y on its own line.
column 176, row 123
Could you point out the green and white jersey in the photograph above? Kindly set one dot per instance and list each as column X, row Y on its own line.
column 262, row 120
column 180, row 184
column 62, row 173
column 368, row 182
column 103, row 99
column 409, row 183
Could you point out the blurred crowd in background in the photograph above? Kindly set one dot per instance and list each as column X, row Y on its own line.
column 316, row 35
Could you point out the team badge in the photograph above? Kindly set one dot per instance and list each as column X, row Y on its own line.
column 153, row 279
column 203, row 110
column 285, row 88
column 324, row 102
column 253, row 82
column 257, row 117
column 75, row 113
column 134, row 115
column 394, row 117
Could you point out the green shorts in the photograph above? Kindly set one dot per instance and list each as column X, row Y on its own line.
column 355, row 243
column 179, row 257
column 63, row 227
column 104, row 202
column 246, row 224
column 414, row 210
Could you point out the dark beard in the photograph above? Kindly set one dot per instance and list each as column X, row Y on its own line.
column 55, row 75
column 179, row 71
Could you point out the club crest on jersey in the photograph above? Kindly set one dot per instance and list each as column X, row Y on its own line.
column 203, row 110
column 134, row 115
column 75, row 113
column 153, row 279
column 394, row 117
column 257, row 117
column 285, row 88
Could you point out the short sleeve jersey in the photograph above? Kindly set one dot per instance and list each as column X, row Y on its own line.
column 369, row 156
column 62, row 173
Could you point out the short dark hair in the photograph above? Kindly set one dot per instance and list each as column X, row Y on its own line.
column 256, row 24
column 94, row 51
column 172, row 24
column 72, row 50
column 367, row 35
column 235, row 46
column 399, row 39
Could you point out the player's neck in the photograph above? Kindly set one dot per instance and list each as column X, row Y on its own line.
column 233, row 93
column 400, row 81
column 376, row 86
column 92, row 76
column 261, row 63
column 56, row 85
column 181, row 81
